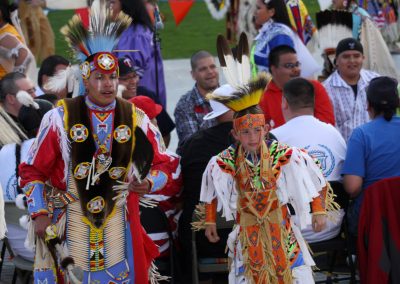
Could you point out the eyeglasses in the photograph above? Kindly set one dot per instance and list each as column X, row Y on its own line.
column 31, row 91
column 291, row 65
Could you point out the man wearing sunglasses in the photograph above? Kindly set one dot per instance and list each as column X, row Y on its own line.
column 284, row 65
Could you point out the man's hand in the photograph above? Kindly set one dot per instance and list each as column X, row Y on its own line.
column 140, row 188
column 41, row 223
column 211, row 233
column 319, row 222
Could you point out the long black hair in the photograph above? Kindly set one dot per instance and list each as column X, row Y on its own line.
column 6, row 9
column 136, row 9
column 281, row 14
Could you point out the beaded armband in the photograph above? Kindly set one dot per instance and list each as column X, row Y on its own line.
column 36, row 198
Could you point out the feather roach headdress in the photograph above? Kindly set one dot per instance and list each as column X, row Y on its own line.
column 246, row 96
column 92, row 46
column 102, row 35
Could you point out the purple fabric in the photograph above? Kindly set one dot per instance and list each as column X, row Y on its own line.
column 139, row 37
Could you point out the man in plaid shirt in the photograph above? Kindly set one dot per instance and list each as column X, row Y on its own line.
column 192, row 107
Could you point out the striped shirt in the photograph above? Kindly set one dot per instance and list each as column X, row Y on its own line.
column 350, row 110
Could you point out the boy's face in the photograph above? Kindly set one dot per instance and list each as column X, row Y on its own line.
column 250, row 138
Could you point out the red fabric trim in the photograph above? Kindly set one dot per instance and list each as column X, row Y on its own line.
column 144, row 250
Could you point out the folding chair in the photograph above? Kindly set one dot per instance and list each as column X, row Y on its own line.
column 339, row 243
column 154, row 221
column 209, row 265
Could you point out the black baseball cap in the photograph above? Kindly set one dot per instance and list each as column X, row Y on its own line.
column 127, row 65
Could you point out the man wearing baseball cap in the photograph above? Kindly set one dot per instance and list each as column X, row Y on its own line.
column 346, row 86
column 129, row 77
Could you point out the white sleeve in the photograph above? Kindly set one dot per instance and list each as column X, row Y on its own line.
column 221, row 185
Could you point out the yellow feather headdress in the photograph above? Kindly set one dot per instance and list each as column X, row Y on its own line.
column 246, row 96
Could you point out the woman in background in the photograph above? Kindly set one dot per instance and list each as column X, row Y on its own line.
column 140, row 37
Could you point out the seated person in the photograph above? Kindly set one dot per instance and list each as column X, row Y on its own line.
column 129, row 77
column 10, row 157
column 284, row 65
column 320, row 139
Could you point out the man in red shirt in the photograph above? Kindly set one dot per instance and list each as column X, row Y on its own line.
column 284, row 66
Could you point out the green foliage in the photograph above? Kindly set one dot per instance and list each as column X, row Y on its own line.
column 196, row 32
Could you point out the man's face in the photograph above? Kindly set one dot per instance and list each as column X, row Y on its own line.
column 25, row 84
column 206, row 74
column 130, row 81
column 288, row 68
column 102, row 88
column 349, row 63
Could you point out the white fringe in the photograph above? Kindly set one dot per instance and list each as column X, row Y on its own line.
column 300, row 181
column 147, row 202
column 55, row 120
column 218, row 184
column 122, row 193
column 29, row 243
column 155, row 276
column 377, row 54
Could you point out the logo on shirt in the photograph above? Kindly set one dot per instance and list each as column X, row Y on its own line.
column 324, row 156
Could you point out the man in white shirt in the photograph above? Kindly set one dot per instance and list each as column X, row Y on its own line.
column 320, row 139
column 347, row 86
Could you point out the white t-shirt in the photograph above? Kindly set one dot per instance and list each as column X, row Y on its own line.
column 321, row 140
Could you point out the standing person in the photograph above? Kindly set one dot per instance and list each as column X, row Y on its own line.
column 272, row 20
column 252, row 181
column 193, row 106
column 373, row 151
column 347, row 87
column 15, row 55
column 140, row 36
column 86, row 171
column 37, row 30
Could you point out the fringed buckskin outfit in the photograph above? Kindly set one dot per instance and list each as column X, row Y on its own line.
column 265, row 246
column 101, row 232
column 81, row 167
